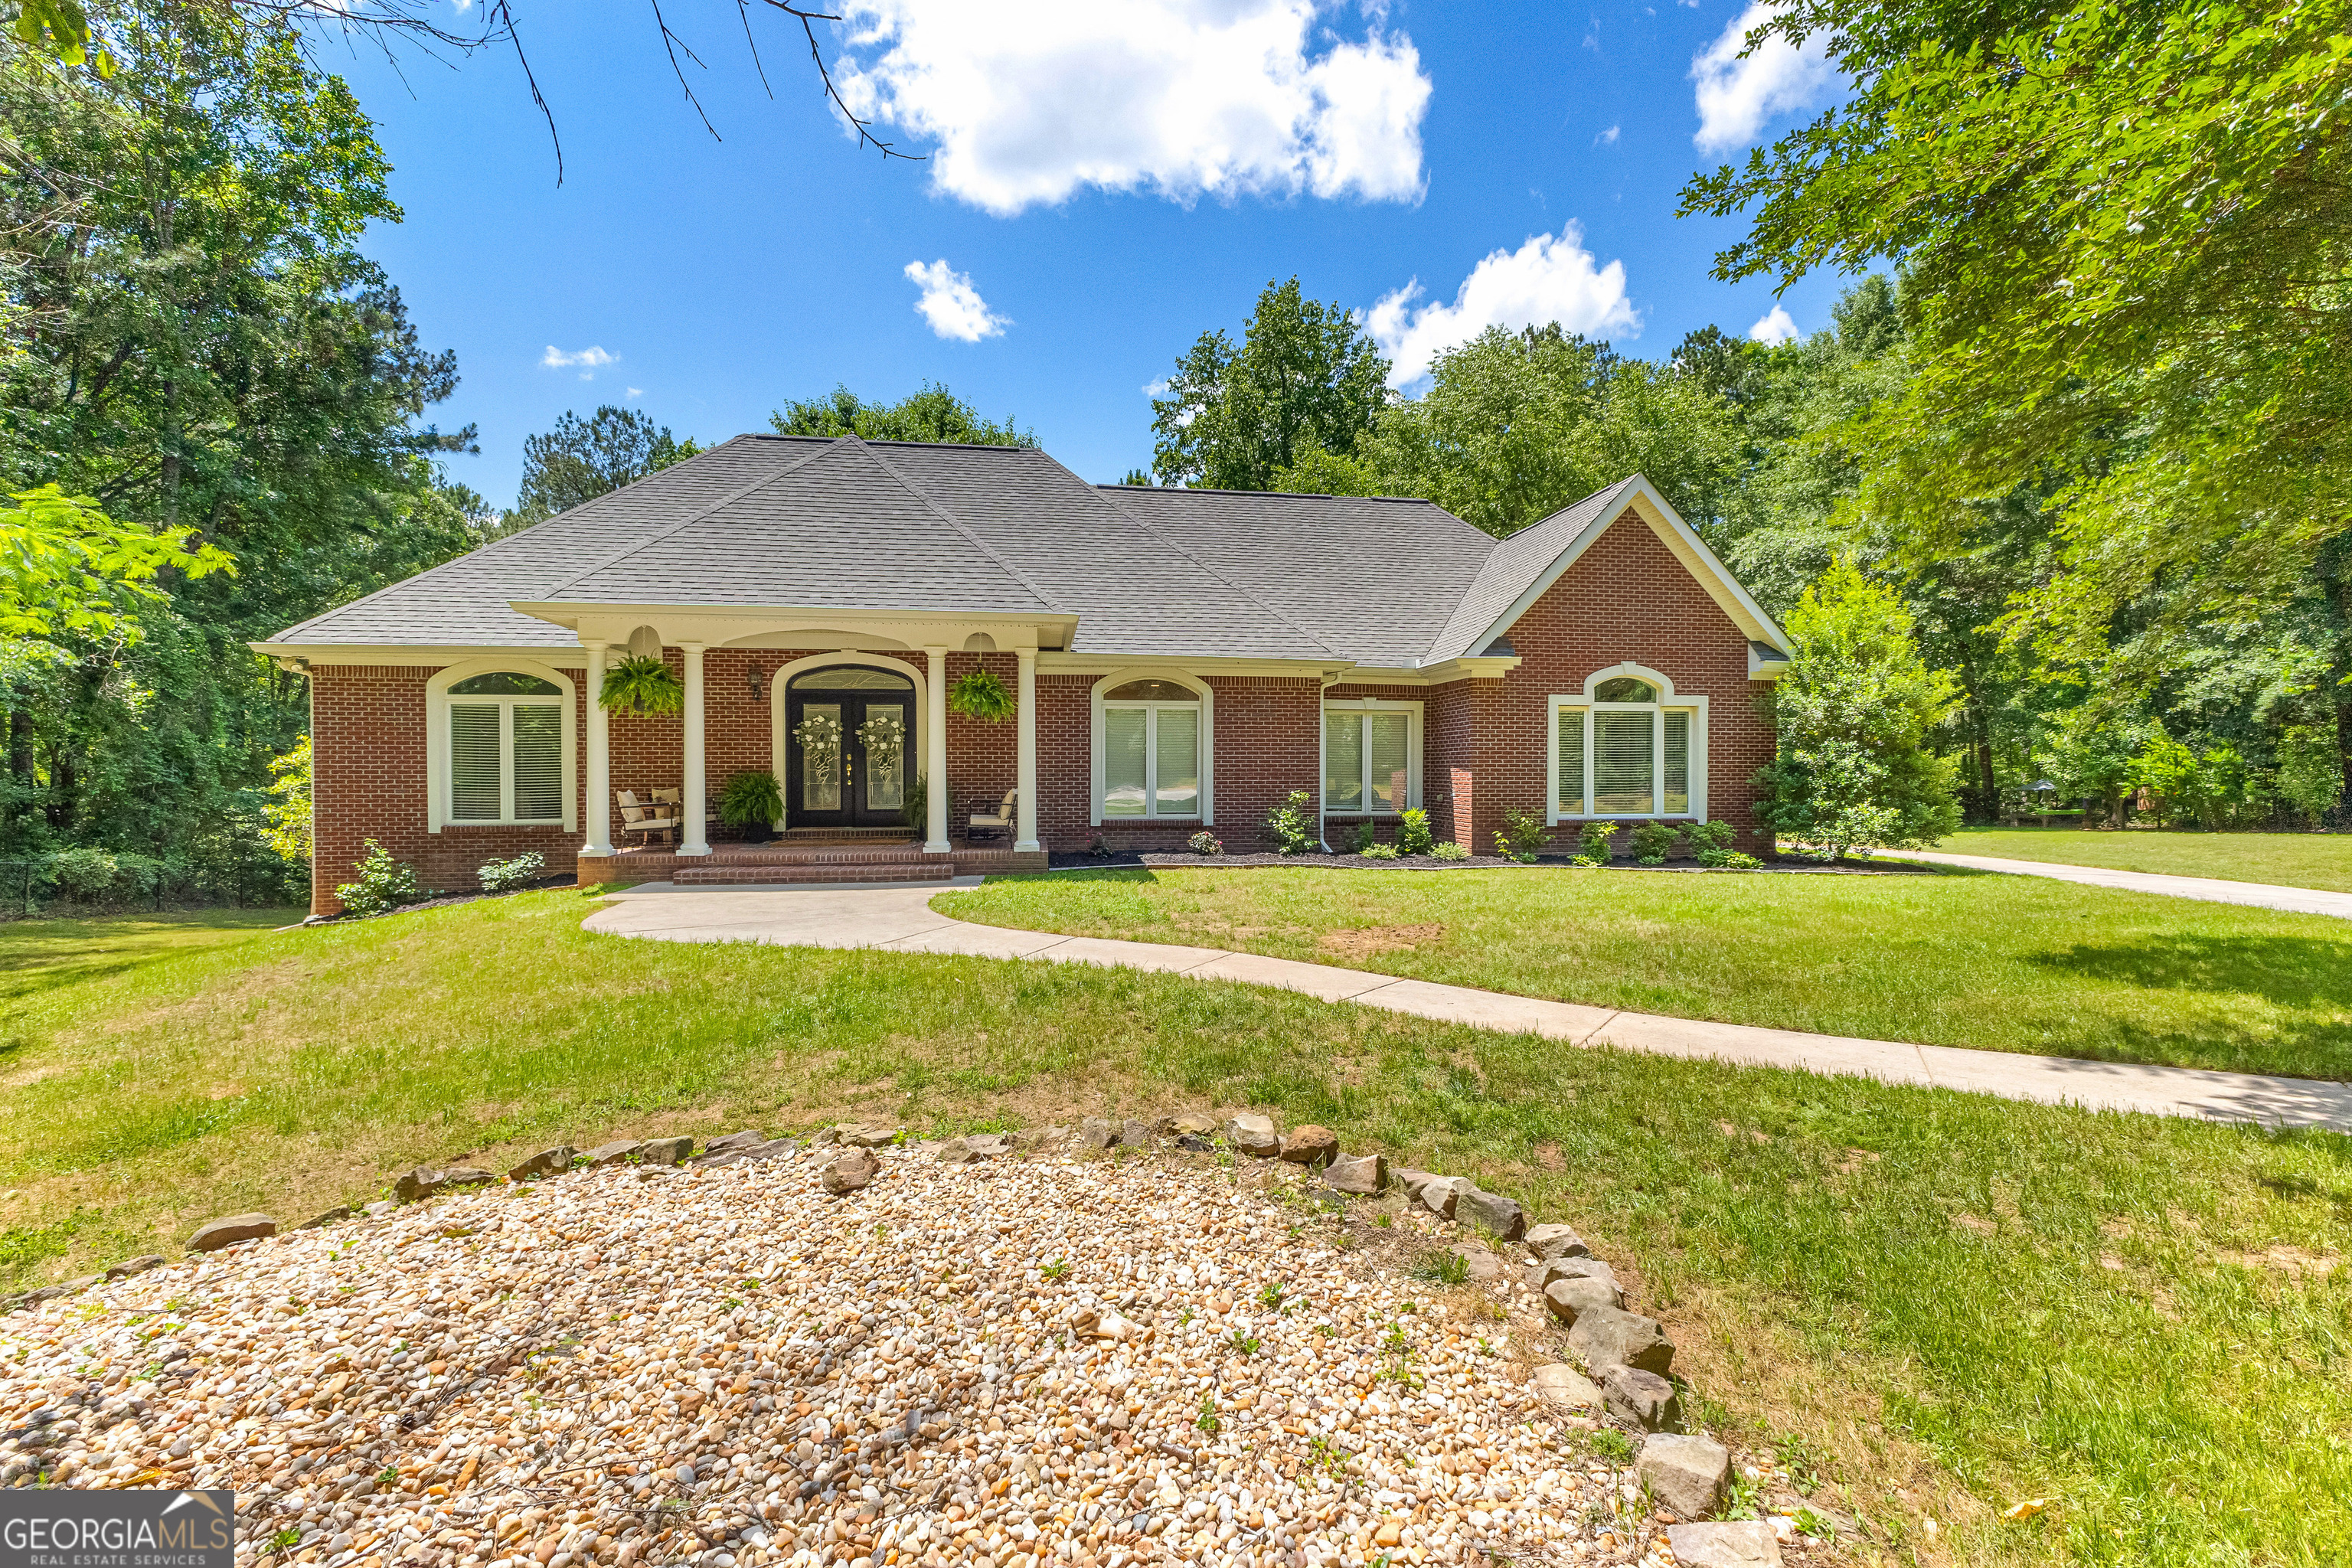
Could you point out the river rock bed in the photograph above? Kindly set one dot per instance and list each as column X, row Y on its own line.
column 1067, row 1358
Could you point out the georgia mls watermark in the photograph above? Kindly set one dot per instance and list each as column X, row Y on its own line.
column 56, row 1527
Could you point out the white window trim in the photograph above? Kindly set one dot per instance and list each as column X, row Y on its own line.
column 436, row 742
column 1207, row 815
column 1412, row 753
column 1585, row 704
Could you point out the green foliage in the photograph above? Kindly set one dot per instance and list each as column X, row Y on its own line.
column 384, row 883
column 933, row 414
column 1711, row 844
column 1448, row 850
column 2213, row 788
column 1441, row 1268
column 288, row 814
column 2311, row 770
column 1364, row 839
column 1206, row 843
column 1413, row 835
column 1306, row 378
column 1378, row 851
column 581, row 459
column 1654, row 841
column 1316, row 472
column 66, row 566
column 1291, row 825
column 1522, row 834
column 1853, row 714
column 915, row 811
column 1592, row 841
column 512, row 875
column 980, row 695
column 642, row 686
column 751, row 796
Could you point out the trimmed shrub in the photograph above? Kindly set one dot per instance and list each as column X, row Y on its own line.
column 1414, row 836
column 1593, row 840
column 1449, row 850
column 1291, row 825
column 384, row 883
column 1522, row 834
column 1379, row 851
column 512, row 875
column 1654, row 841
column 1206, row 843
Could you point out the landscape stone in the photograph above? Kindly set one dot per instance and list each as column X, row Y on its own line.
column 1051, row 1137
column 1193, row 1143
column 869, row 1137
column 850, row 1171
column 379, row 1208
column 1641, row 1399
column 824, row 1135
column 52, row 1292
column 1551, row 1241
column 1686, row 1475
column 747, row 1139
column 1413, row 1181
column 1483, row 1265
column 330, row 1216
column 1733, row 1544
column 1134, row 1134
column 1439, row 1194
column 1565, row 1388
column 615, row 1151
column 1310, row 1145
column 1491, row 1212
column 1252, row 1134
column 139, row 1265
column 1096, row 1133
column 1577, row 1268
column 1362, row 1173
column 1194, row 1121
column 1611, row 1336
column 664, row 1151
column 229, row 1230
column 1570, row 1299
column 546, row 1162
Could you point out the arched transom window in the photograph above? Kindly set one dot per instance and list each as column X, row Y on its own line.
column 1629, row 747
column 1151, row 750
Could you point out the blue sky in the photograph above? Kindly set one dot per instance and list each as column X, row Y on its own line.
column 1109, row 178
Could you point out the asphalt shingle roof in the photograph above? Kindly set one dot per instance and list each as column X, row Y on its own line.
column 798, row 523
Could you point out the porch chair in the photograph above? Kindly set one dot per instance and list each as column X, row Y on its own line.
column 644, row 821
column 673, row 801
column 1000, row 823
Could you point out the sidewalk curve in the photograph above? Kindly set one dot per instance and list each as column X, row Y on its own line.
column 897, row 918
column 2212, row 890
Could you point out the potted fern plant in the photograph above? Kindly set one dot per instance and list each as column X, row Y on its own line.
column 980, row 695
column 750, row 803
column 642, row 686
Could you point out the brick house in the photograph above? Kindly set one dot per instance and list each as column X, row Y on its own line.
column 1179, row 660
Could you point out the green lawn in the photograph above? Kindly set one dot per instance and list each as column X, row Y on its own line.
column 2283, row 859
column 1999, row 963
column 1947, row 1302
column 38, row 955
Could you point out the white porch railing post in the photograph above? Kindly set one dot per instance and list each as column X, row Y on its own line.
column 1024, row 776
column 935, row 751
column 691, row 831
column 600, row 756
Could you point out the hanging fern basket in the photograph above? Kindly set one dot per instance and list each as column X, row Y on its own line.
column 980, row 696
column 642, row 686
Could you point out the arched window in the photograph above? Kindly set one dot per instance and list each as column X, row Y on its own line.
column 1151, row 746
column 851, row 677
column 1630, row 747
column 499, row 745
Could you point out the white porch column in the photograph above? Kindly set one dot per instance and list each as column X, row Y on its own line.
column 691, row 832
column 600, row 756
column 935, row 750
column 1024, row 775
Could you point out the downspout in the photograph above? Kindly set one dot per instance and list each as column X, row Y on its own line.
column 1322, row 729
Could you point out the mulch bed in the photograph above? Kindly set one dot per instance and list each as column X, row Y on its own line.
column 1081, row 860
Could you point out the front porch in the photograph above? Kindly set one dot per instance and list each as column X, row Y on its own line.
column 810, row 857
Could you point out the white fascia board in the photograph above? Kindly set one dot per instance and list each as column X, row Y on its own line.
column 1051, row 663
column 1491, row 667
column 1678, row 537
column 721, row 624
column 422, row 655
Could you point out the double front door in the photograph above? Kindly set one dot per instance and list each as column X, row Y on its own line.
column 850, row 748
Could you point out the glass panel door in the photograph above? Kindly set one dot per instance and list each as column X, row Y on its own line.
column 883, row 740
column 818, row 735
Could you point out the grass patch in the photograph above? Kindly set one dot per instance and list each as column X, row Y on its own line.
column 1948, row 1303
column 2282, row 859
column 38, row 955
column 1998, row 962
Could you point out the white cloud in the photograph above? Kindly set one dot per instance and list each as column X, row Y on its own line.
column 594, row 358
column 1608, row 138
column 1185, row 98
column 1738, row 92
column 1551, row 278
column 637, row 392
column 1775, row 329
column 951, row 305
column 1156, row 388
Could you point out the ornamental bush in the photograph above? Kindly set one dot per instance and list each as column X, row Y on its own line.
column 1413, row 837
column 1449, row 850
column 1379, row 851
column 1206, row 843
column 1522, row 834
column 1592, row 841
column 512, row 875
column 1291, row 825
column 1654, row 841
column 384, row 883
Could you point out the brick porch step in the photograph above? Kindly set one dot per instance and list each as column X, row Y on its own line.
column 737, row 873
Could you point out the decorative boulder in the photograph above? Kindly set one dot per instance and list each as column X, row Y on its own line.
column 1551, row 1241
column 1564, row 1388
column 849, row 1172
column 1609, row 1336
column 1440, row 1193
column 1096, row 1133
column 1687, row 1475
column 1134, row 1134
column 1310, row 1145
column 664, row 1151
column 615, row 1151
column 231, row 1230
column 1641, row 1399
column 1733, row 1543
column 747, row 1139
column 426, row 1182
column 1581, row 1269
column 1570, row 1299
column 1413, row 1181
column 139, row 1265
column 1491, row 1212
column 1254, row 1135
column 546, row 1162
column 1361, row 1174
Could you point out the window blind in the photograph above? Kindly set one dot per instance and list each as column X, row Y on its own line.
column 1177, row 762
column 1571, row 761
column 1385, row 755
column 1343, row 762
column 1623, row 762
column 1677, row 787
column 474, row 762
column 538, row 762
column 1123, row 761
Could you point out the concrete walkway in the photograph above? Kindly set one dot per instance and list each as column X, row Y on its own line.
column 2212, row 890
column 897, row 918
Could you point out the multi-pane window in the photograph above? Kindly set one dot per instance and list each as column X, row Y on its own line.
column 1624, row 752
column 1366, row 762
column 1151, row 750
column 506, row 748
